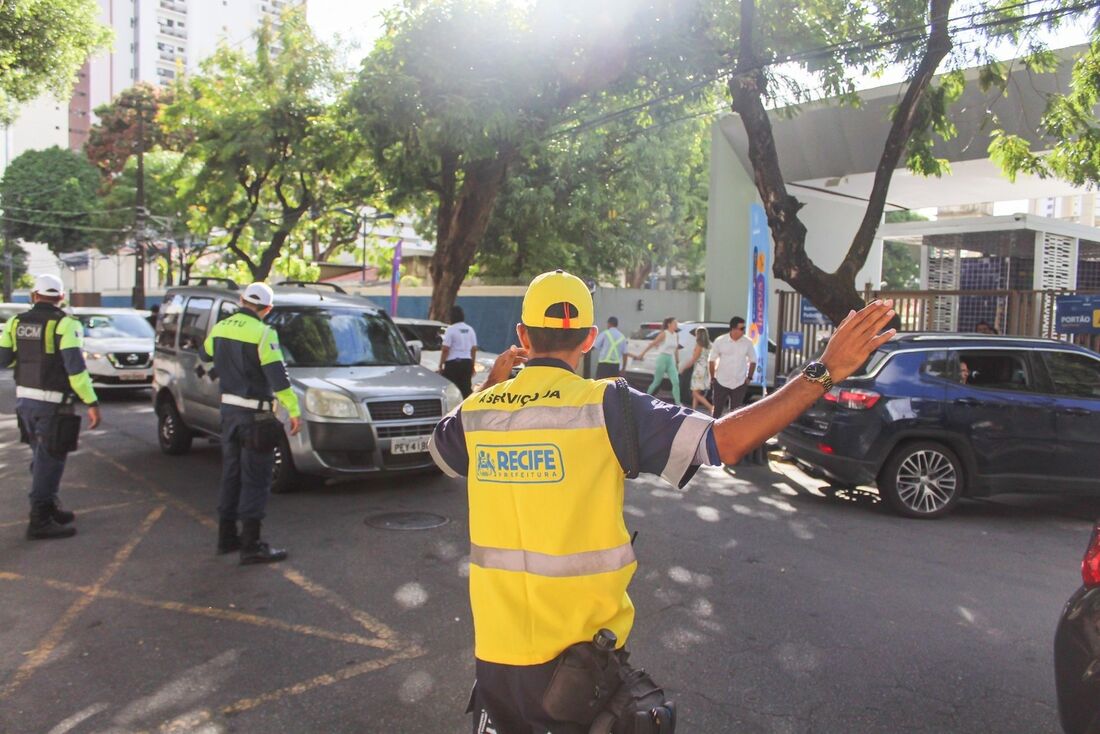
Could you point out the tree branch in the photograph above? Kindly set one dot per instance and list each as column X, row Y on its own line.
column 901, row 129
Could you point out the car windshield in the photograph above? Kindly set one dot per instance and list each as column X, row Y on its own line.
column 430, row 335
column 338, row 337
column 115, row 326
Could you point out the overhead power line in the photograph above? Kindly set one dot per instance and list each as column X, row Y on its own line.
column 865, row 43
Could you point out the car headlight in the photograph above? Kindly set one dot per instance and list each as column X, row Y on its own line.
column 92, row 355
column 453, row 396
column 329, row 404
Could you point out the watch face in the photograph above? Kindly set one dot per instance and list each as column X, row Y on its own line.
column 815, row 370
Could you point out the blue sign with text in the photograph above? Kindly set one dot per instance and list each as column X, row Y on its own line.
column 793, row 340
column 1077, row 314
column 811, row 316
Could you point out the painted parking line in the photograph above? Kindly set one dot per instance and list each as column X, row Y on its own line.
column 83, row 511
column 49, row 643
column 227, row 615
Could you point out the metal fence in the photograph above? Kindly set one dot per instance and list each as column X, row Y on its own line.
column 1013, row 313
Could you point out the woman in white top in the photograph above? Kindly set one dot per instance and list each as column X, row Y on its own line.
column 700, row 370
column 456, row 361
column 668, row 356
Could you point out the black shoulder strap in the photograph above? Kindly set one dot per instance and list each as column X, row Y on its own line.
column 633, row 450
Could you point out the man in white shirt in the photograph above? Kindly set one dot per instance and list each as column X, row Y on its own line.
column 456, row 361
column 732, row 364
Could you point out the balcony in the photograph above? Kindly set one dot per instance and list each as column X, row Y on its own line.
column 175, row 7
column 172, row 31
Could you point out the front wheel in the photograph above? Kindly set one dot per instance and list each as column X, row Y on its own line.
column 923, row 479
column 285, row 478
column 173, row 435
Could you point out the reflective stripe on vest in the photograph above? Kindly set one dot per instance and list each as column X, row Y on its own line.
column 613, row 356
column 550, row 556
column 46, row 396
column 543, row 564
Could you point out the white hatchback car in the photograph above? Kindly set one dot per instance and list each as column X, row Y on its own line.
column 429, row 335
column 118, row 346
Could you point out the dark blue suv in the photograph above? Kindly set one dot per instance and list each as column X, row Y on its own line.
column 931, row 418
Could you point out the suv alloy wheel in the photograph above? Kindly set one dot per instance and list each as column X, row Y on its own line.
column 286, row 478
column 922, row 479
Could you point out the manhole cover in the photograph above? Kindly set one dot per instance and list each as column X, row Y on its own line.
column 405, row 520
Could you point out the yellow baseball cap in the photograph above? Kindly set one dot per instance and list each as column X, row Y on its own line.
column 558, row 300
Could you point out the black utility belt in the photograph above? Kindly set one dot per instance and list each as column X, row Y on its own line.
column 596, row 686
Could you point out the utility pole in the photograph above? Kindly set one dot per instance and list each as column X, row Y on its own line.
column 139, row 199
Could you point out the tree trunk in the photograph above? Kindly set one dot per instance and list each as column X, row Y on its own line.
column 462, row 223
column 834, row 294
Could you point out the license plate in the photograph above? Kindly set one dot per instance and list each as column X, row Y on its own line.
column 132, row 377
column 409, row 445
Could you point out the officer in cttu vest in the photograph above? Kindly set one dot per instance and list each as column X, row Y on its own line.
column 46, row 346
column 610, row 349
column 251, row 376
column 545, row 455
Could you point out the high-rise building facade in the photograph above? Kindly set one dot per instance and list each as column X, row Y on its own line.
column 156, row 41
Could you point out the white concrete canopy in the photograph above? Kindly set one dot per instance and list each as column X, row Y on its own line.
column 828, row 154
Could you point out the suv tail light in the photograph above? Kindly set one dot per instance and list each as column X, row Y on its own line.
column 1090, row 565
column 851, row 397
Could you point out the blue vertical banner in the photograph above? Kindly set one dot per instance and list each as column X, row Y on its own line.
column 756, row 317
column 395, row 278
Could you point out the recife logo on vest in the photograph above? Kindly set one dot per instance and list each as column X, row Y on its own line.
column 535, row 463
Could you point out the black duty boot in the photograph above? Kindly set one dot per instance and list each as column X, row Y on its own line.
column 60, row 515
column 42, row 525
column 254, row 550
column 228, row 540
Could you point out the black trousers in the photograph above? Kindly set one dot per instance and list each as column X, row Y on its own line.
column 511, row 695
column 607, row 369
column 460, row 372
column 733, row 397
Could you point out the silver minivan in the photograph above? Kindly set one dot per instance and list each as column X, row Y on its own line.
column 367, row 405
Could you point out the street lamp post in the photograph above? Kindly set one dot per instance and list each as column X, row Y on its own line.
column 362, row 220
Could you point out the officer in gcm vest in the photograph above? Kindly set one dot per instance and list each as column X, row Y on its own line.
column 46, row 346
column 251, row 375
column 545, row 455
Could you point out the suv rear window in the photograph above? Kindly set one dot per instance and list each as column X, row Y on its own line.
column 998, row 370
column 1073, row 374
column 196, row 319
column 168, row 324
column 338, row 337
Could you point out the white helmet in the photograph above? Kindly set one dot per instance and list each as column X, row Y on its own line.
column 49, row 285
column 259, row 294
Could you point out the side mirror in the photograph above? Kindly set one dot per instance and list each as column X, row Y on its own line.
column 415, row 348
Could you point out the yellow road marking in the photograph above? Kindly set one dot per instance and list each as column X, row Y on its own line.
column 83, row 511
column 49, row 643
column 228, row 615
column 295, row 577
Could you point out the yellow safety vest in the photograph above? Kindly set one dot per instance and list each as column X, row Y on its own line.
column 550, row 556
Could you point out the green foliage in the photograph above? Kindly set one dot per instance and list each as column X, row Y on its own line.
column 114, row 137
column 267, row 143
column 609, row 200
column 168, row 214
column 900, row 266
column 43, row 43
column 49, row 196
column 1070, row 128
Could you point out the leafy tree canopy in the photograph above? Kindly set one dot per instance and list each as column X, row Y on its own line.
column 266, row 142
column 50, row 196
column 114, row 138
column 43, row 43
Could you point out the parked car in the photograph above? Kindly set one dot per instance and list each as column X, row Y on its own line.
column 1077, row 649
column 639, row 373
column 7, row 310
column 118, row 346
column 367, row 406
column 1026, row 419
column 427, row 335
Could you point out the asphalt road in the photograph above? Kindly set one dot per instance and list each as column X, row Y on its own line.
column 765, row 604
